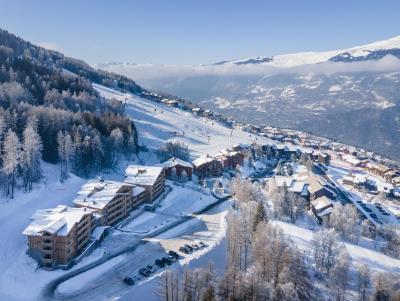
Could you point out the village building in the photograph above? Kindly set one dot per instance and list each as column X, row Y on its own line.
column 230, row 159
column 151, row 178
column 197, row 111
column 172, row 103
column 112, row 201
column 317, row 189
column 321, row 208
column 324, row 158
column 377, row 169
column 177, row 169
column 207, row 166
column 57, row 235
column 351, row 160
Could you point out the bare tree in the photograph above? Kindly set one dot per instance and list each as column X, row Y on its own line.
column 363, row 282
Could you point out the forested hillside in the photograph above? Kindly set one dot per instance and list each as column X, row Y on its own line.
column 49, row 110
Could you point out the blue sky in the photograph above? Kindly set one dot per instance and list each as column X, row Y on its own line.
column 193, row 32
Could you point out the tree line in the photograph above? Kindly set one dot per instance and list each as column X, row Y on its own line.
column 51, row 114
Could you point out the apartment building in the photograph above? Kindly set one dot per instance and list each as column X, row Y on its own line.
column 177, row 168
column 151, row 178
column 207, row 166
column 57, row 235
column 110, row 200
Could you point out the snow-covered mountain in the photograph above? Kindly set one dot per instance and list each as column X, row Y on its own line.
column 373, row 51
column 350, row 94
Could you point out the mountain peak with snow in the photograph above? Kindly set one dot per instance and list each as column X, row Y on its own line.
column 372, row 51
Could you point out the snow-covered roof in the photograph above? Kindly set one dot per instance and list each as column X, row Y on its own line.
column 351, row 159
column 98, row 193
column 282, row 180
column 299, row 187
column 202, row 160
column 58, row 221
column 174, row 162
column 142, row 175
column 323, row 205
column 379, row 167
column 315, row 185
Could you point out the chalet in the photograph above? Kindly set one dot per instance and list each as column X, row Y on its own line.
column 324, row 158
column 352, row 160
column 110, row 200
column 172, row 103
column 207, row 166
column 241, row 148
column 321, row 207
column 230, row 159
column 377, row 169
column 208, row 113
column 318, row 189
column 177, row 169
column 151, row 178
column 57, row 235
column 198, row 111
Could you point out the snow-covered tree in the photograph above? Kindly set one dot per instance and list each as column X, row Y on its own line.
column 326, row 250
column 363, row 281
column 339, row 277
column 11, row 161
column 344, row 219
column 116, row 138
column 31, row 156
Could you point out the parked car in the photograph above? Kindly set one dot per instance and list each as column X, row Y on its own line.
column 160, row 263
column 166, row 260
column 202, row 244
column 144, row 272
column 172, row 258
column 188, row 247
column 195, row 246
column 150, row 268
column 184, row 250
column 173, row 253
column 129, row 280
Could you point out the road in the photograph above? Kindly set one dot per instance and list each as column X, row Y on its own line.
column 139, row 250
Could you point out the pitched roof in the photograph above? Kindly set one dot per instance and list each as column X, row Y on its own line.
column 202, row 160
column 322, row 205
column 142, row 175
column 58, row 221
column 98, row 193
column 174, row 162
column 314, row 185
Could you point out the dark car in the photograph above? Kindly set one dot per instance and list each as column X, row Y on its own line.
column 184, row 250
column 145, row 272
column 150, row 268
column 173, row 253
column 202, row 244
column 166, row 260
column 160, row 263
column 172, row 258
column 188, row 247
column 129, row 281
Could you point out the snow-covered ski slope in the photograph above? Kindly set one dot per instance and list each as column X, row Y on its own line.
column 158, row 123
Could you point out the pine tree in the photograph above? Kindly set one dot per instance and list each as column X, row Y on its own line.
column 11, row 160
column 31, row 156
column 260, row 216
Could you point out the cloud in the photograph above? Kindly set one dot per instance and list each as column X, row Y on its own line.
column 51, row 46
column 149, row 72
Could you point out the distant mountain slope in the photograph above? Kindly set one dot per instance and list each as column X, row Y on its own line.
column 351, row 94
